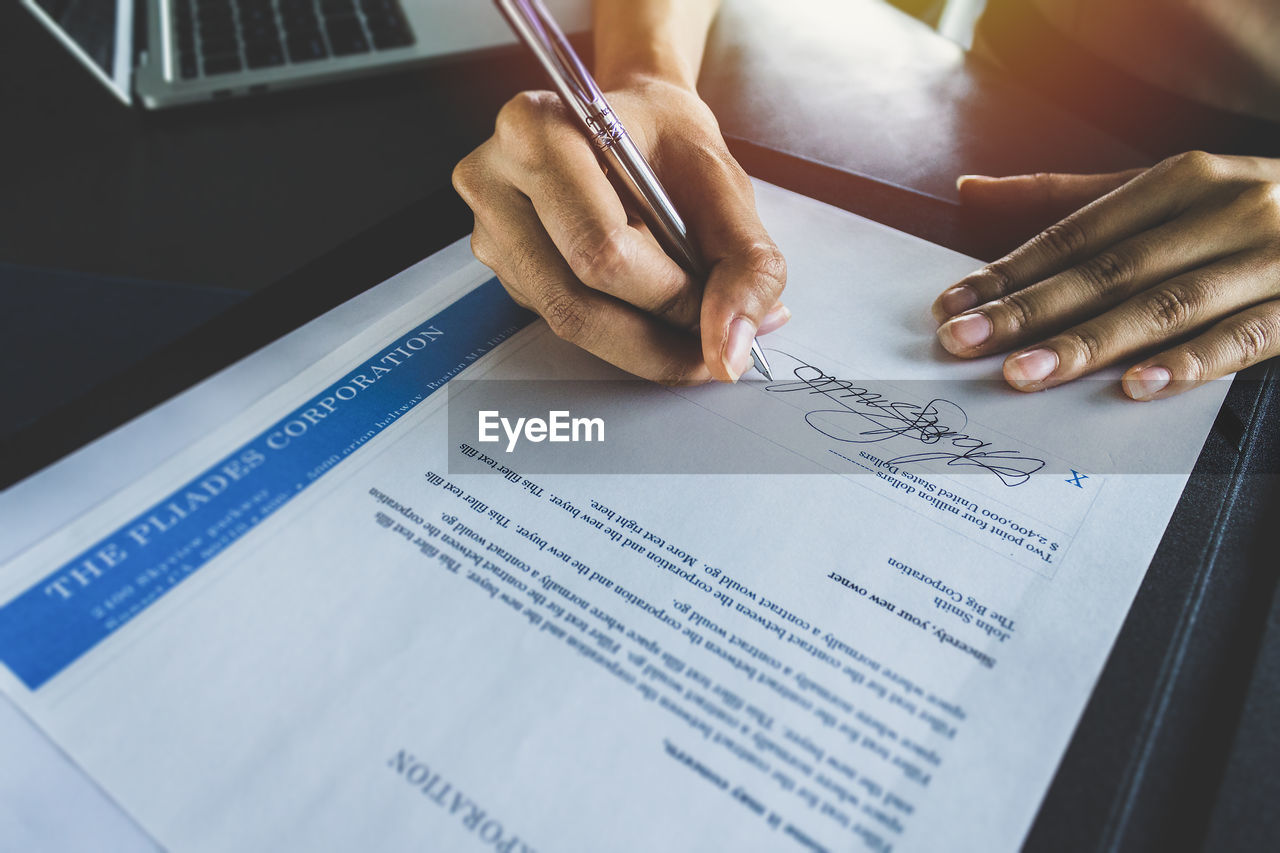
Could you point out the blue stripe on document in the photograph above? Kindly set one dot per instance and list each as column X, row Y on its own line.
column 49, row 626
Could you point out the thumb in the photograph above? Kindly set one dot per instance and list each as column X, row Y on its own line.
column 745, row 270
column 1048, row 194
column 745, row 282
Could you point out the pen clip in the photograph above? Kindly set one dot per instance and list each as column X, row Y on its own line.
column 575, row 84
column 619, row 156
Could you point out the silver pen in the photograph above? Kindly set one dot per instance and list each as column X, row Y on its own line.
column 534, row 26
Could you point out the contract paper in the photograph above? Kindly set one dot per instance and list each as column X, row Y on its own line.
column 324, row 617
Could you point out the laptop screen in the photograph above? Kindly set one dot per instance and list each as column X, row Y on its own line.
column 99, row 33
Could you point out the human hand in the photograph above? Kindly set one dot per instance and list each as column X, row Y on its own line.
column 1182, row 259
column 552, row 227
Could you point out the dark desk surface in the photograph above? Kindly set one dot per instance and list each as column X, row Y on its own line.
column 237, row 194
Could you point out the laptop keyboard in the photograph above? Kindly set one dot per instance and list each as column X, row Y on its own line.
column 225, row 36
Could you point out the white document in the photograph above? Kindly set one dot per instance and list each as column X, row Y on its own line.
column 304, row 625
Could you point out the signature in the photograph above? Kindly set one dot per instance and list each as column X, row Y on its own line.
column 861, row 416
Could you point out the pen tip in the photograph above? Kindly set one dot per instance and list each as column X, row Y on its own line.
column 760, row 362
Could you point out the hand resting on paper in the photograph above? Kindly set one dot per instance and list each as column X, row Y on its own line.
column 1181, row 260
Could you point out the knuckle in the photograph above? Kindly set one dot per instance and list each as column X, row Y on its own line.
column 767, row 268
column 676, row 305
column 1108, row 271
column 1064, row 239
column 467, row 178
column 1018, row 311
column 524, row 110
column 599, row 256
column 482, row 249
column 523, row 124
column 1261, row 203
column 1195, row 365
column 999, row 274
column 1252, row 338
column 566, row 315
column 712, row 160
column 1086, row 343
column 1172, row 308
column 1195, row 164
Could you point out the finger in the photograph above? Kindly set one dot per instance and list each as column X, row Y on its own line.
column 746, row 272
column 777, row 317
column 586, row 220
column 1233, row 344
column 1166, row 312
column 1087, row 289
column 546, row 157
column 1143, row 202
column 1039, row 194
column 528, row 263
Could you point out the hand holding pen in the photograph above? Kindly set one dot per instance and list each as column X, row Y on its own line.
column 556, row 230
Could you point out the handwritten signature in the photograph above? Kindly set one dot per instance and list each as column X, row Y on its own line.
column 863, row 416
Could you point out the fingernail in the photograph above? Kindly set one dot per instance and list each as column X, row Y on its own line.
column 956, row 299
column 964, row 179
column 964, row 332
column 1145, row 383
column 736, row 354
column 774, row 320
column 1026, row 369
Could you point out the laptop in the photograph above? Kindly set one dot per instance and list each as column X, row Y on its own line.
column 163, row 53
